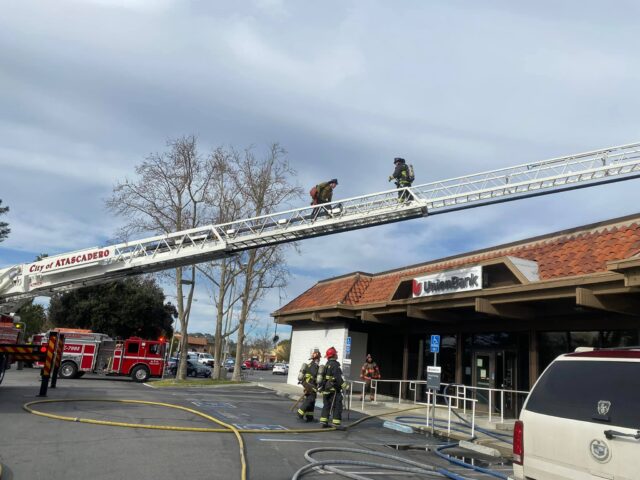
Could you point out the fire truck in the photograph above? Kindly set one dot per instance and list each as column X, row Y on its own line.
column 8, row 335
column 93, row 352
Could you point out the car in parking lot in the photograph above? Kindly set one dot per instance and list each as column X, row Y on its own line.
column 255, row 364
column 205, row 359
column 581, row 419
column 280, row 369
column 194, row 369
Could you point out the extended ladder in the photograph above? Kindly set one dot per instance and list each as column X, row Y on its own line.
column 101, row 264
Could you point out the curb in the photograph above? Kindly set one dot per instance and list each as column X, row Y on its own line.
column 484, row 450
column 290, row 396
column 398, row 427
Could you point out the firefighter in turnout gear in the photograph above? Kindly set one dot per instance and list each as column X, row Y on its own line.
column 307, row 378
column 322, row 193
column 404, row 177
column 331, row 384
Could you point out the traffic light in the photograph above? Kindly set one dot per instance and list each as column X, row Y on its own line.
column 19, row 325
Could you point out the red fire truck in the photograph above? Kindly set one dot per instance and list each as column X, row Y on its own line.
column 8, row 335
column 98, row 353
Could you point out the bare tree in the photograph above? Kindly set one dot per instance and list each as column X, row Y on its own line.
column 171, row 193
column 265, row 186
column 262, row 344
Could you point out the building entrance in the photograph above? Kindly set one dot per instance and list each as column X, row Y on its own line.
column 494, row 370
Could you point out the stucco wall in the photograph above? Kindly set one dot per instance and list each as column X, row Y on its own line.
column 305, row 339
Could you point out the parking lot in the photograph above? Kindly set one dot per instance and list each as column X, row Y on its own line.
column 34, row 447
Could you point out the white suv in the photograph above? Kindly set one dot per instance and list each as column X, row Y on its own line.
column 581, row 420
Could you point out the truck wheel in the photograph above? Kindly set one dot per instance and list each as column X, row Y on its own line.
column 3, row 364
column 140, row 374
column 68, row 370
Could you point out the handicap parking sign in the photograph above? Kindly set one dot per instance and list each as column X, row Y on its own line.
column 435, row 343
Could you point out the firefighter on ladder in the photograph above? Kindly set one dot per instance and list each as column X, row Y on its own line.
column 307, row 378
column 404, row 177
column 331, row 384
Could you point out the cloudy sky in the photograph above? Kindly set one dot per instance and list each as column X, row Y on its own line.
column 88, row 88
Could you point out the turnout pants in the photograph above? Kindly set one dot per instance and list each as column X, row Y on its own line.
column 404, row 195
column 308, row 406
column 332, row 407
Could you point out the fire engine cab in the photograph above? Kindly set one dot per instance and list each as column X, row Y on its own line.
column 98, row 353
column 8, row 331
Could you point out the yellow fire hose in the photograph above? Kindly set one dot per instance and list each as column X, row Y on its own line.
column 227, row 427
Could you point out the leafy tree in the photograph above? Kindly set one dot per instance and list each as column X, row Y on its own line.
column 283, row 350
column 35, row 318
column 4, row 226
column 130, row 307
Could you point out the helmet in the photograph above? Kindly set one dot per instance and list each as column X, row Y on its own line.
column 331, row 352
column 315, row 354
column 333, row 180
column 398, row 160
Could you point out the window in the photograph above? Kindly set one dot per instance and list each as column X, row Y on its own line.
column 619, row 338
column 573, row 389
column 583, row 339
column 154, row 349
column 133, row 347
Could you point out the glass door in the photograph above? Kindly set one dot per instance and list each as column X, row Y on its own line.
column 484, row 375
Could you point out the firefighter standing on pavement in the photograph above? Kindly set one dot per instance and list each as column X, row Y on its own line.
column 332, row 384
column 402, row 176
column 307, row 378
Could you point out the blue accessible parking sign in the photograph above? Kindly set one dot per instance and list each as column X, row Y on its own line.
column 435, row 343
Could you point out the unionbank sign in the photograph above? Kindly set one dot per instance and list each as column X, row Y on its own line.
column 451, row 281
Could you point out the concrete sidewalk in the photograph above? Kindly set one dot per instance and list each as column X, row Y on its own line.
column 389, row 409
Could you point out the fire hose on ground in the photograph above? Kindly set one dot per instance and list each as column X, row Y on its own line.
column 227, row 428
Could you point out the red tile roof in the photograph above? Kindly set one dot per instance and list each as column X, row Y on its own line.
column 578, row 251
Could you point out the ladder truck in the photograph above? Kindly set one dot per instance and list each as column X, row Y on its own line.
column 96, row 265
column 91, row 352
column 9, row 335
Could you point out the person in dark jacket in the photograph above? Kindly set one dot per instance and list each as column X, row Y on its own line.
column 369, row 371
column 332, row 384
column 324, row 194
column 402, row 179
column 307, row 377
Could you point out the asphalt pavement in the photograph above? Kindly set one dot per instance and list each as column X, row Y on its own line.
column 34, row 447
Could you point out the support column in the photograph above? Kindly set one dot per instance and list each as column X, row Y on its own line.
column 405, row 365
column 459, row 356
column 420, row 373
column 533, row 357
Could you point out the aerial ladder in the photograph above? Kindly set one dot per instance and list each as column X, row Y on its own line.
column 96, row 265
